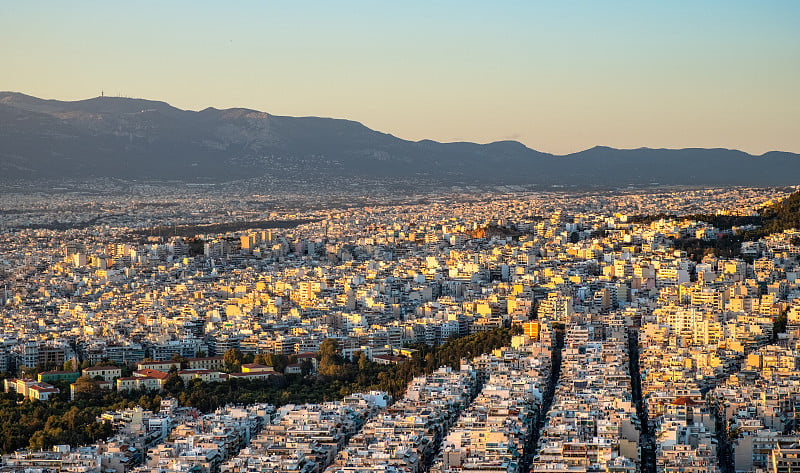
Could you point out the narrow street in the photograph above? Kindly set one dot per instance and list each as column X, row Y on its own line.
column 646, row 440
column 724, row 447
column 547, row 401
column 725, row 456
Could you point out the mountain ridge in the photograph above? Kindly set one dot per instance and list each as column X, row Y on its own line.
column 139, row 138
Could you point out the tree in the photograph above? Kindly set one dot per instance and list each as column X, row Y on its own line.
column 98, row 430
column 184, row 363
column 86, row 389
column 278, row 362
column 329, row 350
column 155, row 405
column 330, row 360
column 174, row 384
column 363, row 361
column 43, row 425
column 72, row 418
column 39, row 441
column 779, row 325
column 233, row 359
column 306, row 366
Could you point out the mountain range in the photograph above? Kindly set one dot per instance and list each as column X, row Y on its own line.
column 139, row 139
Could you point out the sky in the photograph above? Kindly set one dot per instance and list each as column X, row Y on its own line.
column 558, row 76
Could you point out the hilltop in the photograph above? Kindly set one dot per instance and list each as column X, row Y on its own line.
column 135, row 138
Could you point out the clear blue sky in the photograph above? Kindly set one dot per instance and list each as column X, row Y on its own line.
column 558, row 76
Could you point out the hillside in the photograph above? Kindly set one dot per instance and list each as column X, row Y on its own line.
column 134, row 138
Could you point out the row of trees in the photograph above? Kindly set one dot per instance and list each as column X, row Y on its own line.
column 773, row 218
column 38, row 425
column 427, row 359
column 234, row 359
column 233, row 363
column 33, row 424
column 781, row 215
column 723, row 222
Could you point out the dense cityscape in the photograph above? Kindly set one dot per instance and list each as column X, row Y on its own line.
column 517, row 236
column 174, row 328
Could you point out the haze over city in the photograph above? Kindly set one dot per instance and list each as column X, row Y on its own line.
column 409, row 237
column 559, row 77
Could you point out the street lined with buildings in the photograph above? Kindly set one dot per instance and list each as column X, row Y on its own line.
column 632, row 356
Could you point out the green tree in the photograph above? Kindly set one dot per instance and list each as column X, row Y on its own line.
column 174, row 384
column 306, row 366
column 180, row 359
column 39, row 441
column 155, row 404
column 73, row 418
column 233, row 359
column 277, row 362
column 86, row 389
column 363, row 361
column 330, row 361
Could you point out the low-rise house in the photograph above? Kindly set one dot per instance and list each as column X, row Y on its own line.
column 108, row 373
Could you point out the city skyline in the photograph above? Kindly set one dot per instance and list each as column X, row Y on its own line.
column 460, row 332
column 559, row 79
column 417, row 237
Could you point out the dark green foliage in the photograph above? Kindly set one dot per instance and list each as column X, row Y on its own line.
column 779, row 326
column 277, row 362
column 782, row 215
column 174, row 385
column 193, row 230
column 728, row 246
column 196, row 246
column 40, row 425
column 773, row 218
column 427, row 359
column 233, row 360
column 723, row 222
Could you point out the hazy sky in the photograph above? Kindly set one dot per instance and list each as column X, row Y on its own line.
column 558, row 76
